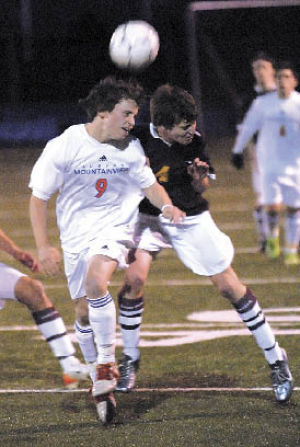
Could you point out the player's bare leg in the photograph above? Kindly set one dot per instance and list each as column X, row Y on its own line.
column 252, row 315
column 31, row 293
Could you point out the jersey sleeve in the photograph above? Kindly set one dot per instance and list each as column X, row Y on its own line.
column 47, row 173
column 249, row 127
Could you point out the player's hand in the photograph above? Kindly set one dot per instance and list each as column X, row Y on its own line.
column 50, row 260
column 237, row 160
column 174, row 214
column 198, row 169
column 27, row 259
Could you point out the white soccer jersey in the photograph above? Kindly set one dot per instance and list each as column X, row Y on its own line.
column 99, row 186
column 278, row 123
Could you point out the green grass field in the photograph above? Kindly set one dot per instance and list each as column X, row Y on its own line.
column 180, row 347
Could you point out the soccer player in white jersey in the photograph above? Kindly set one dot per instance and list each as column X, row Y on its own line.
column 264, row 73
column 17, row 286
column 178, row 158
column 276, row 117
column 101, row 174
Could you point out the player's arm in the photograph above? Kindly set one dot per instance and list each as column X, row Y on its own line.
column 11, row 248
column 159, row 197
column 48, row 255
column 248, row 128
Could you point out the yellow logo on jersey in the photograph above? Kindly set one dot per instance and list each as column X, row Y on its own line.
column 163, row 175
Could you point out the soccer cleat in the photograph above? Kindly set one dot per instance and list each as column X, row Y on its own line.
column 128, row 369
column 106, row 379
column 282, row 379
column 106, row 407
column 273, row 248
column 75, row 371
column 103, row 387
column 291, row 259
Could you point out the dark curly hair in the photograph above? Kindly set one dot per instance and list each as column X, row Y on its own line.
column 109, row 92
column 169, row 105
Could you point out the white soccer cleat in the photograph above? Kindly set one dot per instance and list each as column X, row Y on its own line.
column 106, row 407
column 102, row 391
column 74, row 372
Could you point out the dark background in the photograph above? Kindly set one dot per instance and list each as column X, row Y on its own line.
column 54, row 51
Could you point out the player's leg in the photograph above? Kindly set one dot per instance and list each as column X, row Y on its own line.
column 272, row 198
column 31, row 293
column 207, row 251
column 102, row 316
column 292, row 236
column 273, row 246
column 259, row 213
column 131, row 306
column 291, row 198
column 253, row 317
column 84, row 335
column 75, row 269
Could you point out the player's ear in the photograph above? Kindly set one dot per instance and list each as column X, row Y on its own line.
column 103, row 114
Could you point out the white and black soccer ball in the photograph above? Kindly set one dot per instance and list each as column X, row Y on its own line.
column 134, row 45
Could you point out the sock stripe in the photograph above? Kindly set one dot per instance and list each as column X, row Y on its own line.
column 55, row 337
column 83, row 330
column 129, row 328
column 272, row 347
column 253, row 318
column 100, row 302
column 130, row 315
column 256, row 326
column 45, row 315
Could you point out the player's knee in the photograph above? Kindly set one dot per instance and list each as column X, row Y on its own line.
column 94, row 288
column 31, row 292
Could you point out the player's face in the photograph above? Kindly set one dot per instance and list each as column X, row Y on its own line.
column 182, row 133
column 263, row 72
column 286, row 82
column 121, row 119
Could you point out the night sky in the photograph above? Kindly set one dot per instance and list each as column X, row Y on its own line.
column 63, row 51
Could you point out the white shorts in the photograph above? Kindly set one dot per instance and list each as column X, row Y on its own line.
column 76, row 263
column 198, row 242
column 281, row 189
column 8, row 280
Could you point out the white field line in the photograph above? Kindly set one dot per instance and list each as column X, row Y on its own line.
column 145, row 390
column 199, row 282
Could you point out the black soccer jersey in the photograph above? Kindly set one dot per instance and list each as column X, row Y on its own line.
column 169, row 164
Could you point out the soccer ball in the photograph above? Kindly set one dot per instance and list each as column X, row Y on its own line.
column 134, row 45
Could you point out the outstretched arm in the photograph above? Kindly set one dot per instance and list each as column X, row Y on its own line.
column 7, row 245
column 48, row 256
column 159, row 197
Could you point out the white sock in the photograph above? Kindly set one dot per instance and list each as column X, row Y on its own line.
column 54, row 330
column 252, row 315
column 85, row 338
column 102, row 315
column 130, row 319
column 292, row 229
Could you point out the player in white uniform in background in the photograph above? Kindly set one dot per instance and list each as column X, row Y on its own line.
column 101, row 174
column 17, row 286
column 263, row 70
column 177, row 156
column 276, row 118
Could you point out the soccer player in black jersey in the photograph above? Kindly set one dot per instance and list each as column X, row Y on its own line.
column 177, row 157
column 262, row 65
